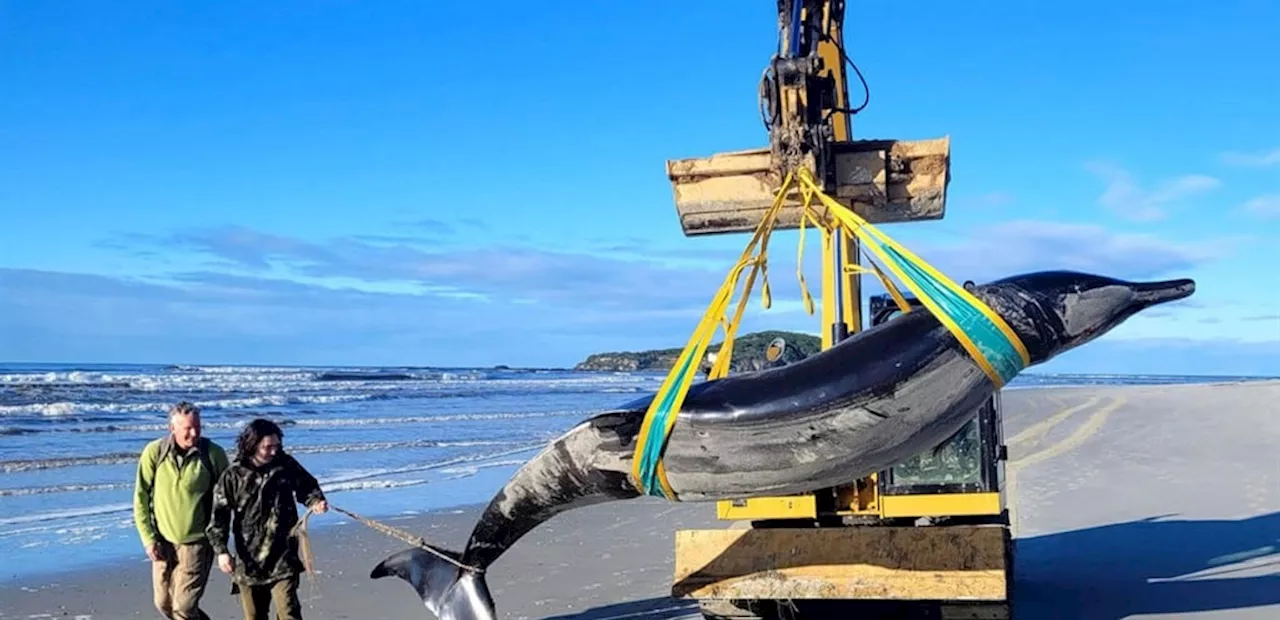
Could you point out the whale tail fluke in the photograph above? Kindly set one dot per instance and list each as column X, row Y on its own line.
column 448, row 591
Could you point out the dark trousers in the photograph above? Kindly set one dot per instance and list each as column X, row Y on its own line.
column 283, row 595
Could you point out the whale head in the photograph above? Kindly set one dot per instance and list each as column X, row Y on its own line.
column 1056, row 311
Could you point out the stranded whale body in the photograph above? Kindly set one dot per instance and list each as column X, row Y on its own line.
column 865, row 404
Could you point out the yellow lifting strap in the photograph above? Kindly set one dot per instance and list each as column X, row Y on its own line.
column 647, row 468
column 985, row 336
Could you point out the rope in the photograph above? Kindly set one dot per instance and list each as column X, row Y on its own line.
column 300, row 530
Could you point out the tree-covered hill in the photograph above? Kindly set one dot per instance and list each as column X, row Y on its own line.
column 748, row 353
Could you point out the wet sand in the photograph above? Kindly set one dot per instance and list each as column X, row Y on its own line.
column 1160, row 501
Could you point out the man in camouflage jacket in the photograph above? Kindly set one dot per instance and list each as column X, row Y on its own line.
column 259, row 491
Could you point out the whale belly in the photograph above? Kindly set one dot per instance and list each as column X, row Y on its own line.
column 828, row 445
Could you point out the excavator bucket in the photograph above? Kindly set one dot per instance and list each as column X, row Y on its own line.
column 883, row 181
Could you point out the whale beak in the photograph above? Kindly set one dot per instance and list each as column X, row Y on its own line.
column 1148, row 294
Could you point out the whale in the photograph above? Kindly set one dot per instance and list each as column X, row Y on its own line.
column 869, row 402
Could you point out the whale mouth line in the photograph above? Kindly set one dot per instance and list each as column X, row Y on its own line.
column 1153, row 293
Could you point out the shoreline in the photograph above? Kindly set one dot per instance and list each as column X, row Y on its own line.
column 70, row 542
column 78, row 548
column 1099, row 480
column 1200, row 382
column 118, row 543
column 555, row 570
column 53, row 366
column 318, row 527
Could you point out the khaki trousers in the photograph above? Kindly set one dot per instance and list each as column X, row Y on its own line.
column 257, row 600
column 179, row 579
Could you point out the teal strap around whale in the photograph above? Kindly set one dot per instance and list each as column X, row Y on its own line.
column 647, row 471
column 655, row 440
column 989, row 340
column 996, row 347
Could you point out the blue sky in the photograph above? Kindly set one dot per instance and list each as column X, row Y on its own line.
column 415, row 183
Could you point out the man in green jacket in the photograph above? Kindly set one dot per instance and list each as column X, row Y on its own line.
column 172, row 504
column 255, row 504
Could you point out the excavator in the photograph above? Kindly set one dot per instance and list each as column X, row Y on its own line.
column 927, row 538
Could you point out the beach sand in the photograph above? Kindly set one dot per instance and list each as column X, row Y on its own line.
column 1151, row 501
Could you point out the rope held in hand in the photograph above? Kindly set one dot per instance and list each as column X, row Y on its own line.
column 398, row 534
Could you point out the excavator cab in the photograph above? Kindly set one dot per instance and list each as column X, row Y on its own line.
column 968, row 462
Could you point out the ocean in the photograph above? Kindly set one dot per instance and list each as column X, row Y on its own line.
column 382, row 441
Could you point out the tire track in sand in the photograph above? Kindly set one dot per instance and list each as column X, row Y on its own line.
column 1083, row 433
column 1037, row 431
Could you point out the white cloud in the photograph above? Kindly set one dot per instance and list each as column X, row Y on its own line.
column 320, row 300
column 211, row 317
column 1015, row 247
column 1256, row 159
column 1175, row 355
column 1124, row 195
column 543, row 275
column 1030, row 245
column 993, row 200
column 582, row 282
column 1206, row 323
column 1267, row 205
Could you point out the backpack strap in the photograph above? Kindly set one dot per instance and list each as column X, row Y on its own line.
column 166, row 448
column 206, row 498
column 207, row 460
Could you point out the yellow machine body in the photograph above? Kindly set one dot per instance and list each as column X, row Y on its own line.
column 937, row 563
column 887, row 507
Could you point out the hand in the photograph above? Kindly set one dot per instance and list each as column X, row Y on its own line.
column 226, row 563
column 320, row 506
column 153, row 552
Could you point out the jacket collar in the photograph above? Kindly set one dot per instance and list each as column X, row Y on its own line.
column 170, row 449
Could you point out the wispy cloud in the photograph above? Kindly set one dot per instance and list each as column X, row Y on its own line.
column 216, row 317
column 1030, row 245
column 438, row 228
column 1252, row 159
column 434, row 226
column 1265, row 206
column 496, row 273
column 244, row 246
column 1221, row 357
column 671, row 281
column 219, row 318
column 270, row 297
column 1125, row 196
column 631, row 283
column 993, row 200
